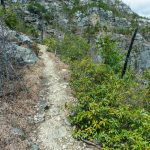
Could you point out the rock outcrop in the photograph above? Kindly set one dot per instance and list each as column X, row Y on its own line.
column 109, row 15
column 15, row 48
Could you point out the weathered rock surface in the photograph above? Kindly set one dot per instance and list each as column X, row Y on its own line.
column 22, row 55
column 106, row 19
column 140, row 55
column 11, row 48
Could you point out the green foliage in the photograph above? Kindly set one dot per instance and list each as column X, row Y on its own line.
column 74, row 48
column 9, row 17
column 51, row 43
column 109, row 53
column 147, row 93
column 15, row 22
column 12, row 20
column 26, row 28
column 71, row 47
column 36, row 8
column 113, row 112
column 90, row 31
column 108, row 108
column 124, row 31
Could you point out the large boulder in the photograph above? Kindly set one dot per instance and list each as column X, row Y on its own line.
column 18, row 37
column 21, row 54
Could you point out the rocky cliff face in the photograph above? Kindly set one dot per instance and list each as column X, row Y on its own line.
column 112, row 16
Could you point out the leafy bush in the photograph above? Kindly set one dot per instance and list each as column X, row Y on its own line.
column 109, row 53
column 109, row 109
column 26, row 28
column 71, row 47
column 15, row 22
column 9, row 17
column 74, row 48
column 12, row 20
column 147, row 94
column 36, row 8
column 124, row 31
column 51, row 43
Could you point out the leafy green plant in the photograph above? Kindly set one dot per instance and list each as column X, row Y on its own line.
column 74, row 48
column 36, row 8
column 12, row 20
column 108, row 109
column 71, row 48
column 51, row 43
column 15, row 22
column 146, row 77
column 110, row 54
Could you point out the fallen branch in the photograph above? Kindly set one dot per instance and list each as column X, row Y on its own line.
column 92, row 143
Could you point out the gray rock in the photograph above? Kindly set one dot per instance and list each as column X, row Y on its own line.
column 18, row 131
column 18, row 37
column 21, row 54
column 12, row 35
column 23, row 38
column 30, row 19
column 145, row 57
column 34, row 147
column 38, row 118
column 43, row 105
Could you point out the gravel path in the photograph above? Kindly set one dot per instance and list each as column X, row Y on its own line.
column 55, row 133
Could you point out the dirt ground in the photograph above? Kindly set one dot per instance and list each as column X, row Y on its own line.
column 17, row 110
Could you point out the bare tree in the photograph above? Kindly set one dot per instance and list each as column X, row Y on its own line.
column 129, row 52
column 3, row 3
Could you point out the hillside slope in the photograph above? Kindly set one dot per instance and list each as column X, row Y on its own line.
column 69, row 91
column 91, row 19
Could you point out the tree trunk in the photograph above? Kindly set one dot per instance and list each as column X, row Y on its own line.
column 128, row 54
column 3, row 3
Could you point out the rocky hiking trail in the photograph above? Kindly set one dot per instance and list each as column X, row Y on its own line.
column 55, row 132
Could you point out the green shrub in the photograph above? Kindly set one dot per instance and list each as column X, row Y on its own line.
column 51, row 43
column 71, row 47
column 36, row 8
column 74, row 48
column 147, row 93
column 12, row 20
column 26, row 28
column 15, row 22
column 110, row 54
column 124, row 31
column 9, row 17
column 109, row 109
